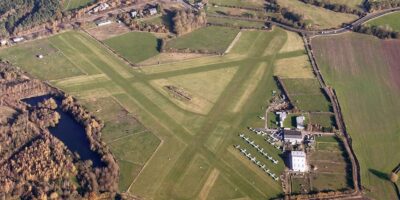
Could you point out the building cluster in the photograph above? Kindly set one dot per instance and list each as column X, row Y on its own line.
column 99, row 8
column 14, row 40
column 148, row 11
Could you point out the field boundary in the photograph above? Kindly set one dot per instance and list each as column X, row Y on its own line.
column 233, row 42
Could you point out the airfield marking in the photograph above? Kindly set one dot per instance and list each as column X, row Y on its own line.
column 233, row 42
column 109, row 142
column 144, row 166
column 208, row 184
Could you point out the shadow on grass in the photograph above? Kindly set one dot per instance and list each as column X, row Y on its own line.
column 379, row 174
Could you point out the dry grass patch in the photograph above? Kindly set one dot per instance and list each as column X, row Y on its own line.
column 209, row 84
column 163, row 58
column 250, row 86
column 196, row 104
column 293, row 43
column 109, row 31
column 79, row 80
column 296, row 67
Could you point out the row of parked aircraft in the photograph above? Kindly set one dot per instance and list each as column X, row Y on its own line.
column 259, row 149
column 258, row 163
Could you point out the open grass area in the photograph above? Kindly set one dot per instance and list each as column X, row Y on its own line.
column 319, row 18
column 294, row 68
column 208, row 39
column 134, row 46
column 350, row 3
column 294, row 42
column 364, row 71
column 391, row 21
column 306, row 94
column 165, row 151
column 235, row 22
column 76, row 4
column 54, row 65
column 240, row 3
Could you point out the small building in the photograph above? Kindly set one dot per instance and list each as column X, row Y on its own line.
column 101, row 7
column 103, row 22
column 134, row 13
column 3, row 42
column 293, row 137
column 18, row 39
column 300, row 122
column 282, row 116
column 298, row 161
column 153, row 11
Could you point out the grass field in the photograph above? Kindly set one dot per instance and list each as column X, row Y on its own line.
column 235, row 22
column 364, row 71
column 318, row 17
column 208, row 39
column 74, row 4
column 134, row 46
column 331, row 163
column 241, row 3
column 165, row 151
column 350, row 3
column 391, row 20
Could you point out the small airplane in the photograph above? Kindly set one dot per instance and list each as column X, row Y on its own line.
column 253, row 159
column 241, row 135
column 243, row 150
column 275, row 161
column 263, row 166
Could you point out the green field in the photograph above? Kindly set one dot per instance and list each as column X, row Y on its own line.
column 318, row 17
column 364, row 72
column 391, row 21
column 331, row 164
column 74, row 4
column 134, row 46
column 164, row 150
column 306, row 94
column 209, row 39
column 241, row 3
column 235, row 22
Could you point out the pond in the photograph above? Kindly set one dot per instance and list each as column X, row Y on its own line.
column 70, row 132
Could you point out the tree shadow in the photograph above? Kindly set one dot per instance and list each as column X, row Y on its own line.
column 379, row 174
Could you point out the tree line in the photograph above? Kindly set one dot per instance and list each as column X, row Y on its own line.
column 373, row 5
column 20, row 14
column 381, row 32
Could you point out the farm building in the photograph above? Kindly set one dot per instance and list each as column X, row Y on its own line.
column 282, row 117
column 103, row 22
column 152, row 11
column 292, row 136
column 134, row 13
column 3, row 42
column 18, row 39
column 298, row 161
column 300, row 122
column 101, row 7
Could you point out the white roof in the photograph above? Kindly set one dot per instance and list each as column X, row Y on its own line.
column 298, row 154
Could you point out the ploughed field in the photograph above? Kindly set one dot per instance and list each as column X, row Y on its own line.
column 365, row 73
column 172, row 126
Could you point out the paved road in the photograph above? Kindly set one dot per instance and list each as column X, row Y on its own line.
column 338, row 30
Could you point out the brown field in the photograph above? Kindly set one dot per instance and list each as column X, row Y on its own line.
column 365, row 73
column 108, row 31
